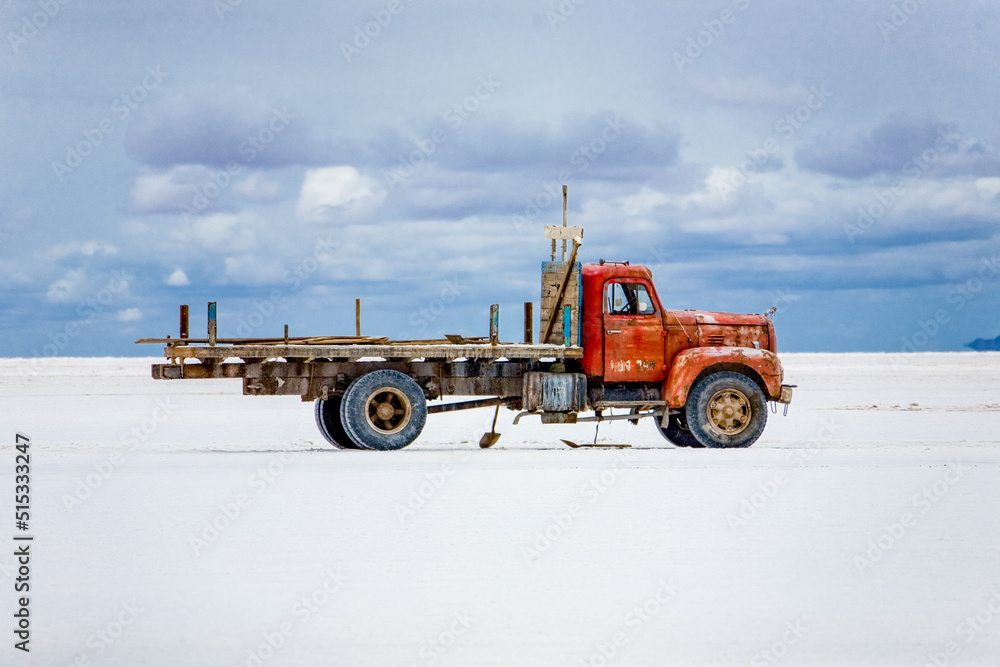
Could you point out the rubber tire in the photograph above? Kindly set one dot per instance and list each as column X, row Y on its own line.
column 329, row 424
column 354, row 406
column 696, row 410
column 677, row 432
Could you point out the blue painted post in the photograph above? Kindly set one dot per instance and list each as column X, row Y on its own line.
column 567, row 326
column 212, row 323
column 494, row 324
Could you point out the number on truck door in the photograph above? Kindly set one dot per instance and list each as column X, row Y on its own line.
column 633, row 333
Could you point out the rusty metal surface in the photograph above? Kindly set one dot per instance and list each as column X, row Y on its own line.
column 314, row 379
column 463, row 405
column 556, row 392
column 689, row 364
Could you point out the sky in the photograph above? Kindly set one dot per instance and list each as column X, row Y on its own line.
column 837, row 160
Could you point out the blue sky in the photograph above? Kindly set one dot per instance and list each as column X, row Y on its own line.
column 838, row 160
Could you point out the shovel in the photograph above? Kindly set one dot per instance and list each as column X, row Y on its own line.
column 570, row 443
column 491, row 438
column 574, row 445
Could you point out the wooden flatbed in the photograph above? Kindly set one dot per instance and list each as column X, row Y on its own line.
column 179, row 349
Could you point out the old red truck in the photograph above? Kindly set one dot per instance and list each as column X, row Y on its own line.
column 705, row 378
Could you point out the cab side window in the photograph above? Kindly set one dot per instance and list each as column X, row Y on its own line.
column 628, row 299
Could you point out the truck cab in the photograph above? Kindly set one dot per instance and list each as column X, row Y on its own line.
column 636, row 348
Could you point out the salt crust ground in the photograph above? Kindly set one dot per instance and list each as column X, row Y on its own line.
column 180, row 523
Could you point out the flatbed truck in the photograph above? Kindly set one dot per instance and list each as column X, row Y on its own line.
column 607, row 343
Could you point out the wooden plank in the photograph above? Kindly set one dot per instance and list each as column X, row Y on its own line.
column 353, row 352
column 339, row 340
column 552, row 274
column 560, row 233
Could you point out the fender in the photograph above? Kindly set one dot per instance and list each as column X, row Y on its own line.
column 689, row 364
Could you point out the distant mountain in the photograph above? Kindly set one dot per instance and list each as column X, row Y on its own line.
column 983, row 344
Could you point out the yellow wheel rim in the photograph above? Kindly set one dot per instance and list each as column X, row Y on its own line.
column 729, row 411
column 388, row 411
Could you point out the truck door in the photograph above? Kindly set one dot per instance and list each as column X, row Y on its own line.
column 633, row 332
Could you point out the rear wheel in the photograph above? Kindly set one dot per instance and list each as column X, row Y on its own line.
column 726, row 410
column 677, row 432
column 329, row 424
column 383, row 410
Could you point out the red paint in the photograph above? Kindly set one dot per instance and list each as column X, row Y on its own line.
column 688, row 365
column 669, row 346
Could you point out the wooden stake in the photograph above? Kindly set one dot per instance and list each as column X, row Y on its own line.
column 212, row 323
column 529, row 322
column 357, row 317
column 494, row 324
column 565, row 217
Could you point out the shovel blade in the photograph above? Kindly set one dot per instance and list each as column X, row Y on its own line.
column 574, row 445
column 488, row 440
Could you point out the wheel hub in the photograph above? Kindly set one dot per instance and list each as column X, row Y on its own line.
column 729, row 411
column 388, row 410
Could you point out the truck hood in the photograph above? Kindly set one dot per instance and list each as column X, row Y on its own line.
column 697, row 317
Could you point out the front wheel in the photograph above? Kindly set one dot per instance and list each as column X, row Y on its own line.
column 677, row 432
column 383, row 410
column 726, row 409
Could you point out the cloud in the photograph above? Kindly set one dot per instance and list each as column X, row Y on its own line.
column 752, row 92
column 178, row 279
column 87, row 248
column 886, row 148
column 170, row 192
column 257, row 188
column 217, row 125
column 128, row 315
column 599, row 145
column 333, row 188
column 70, row 288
